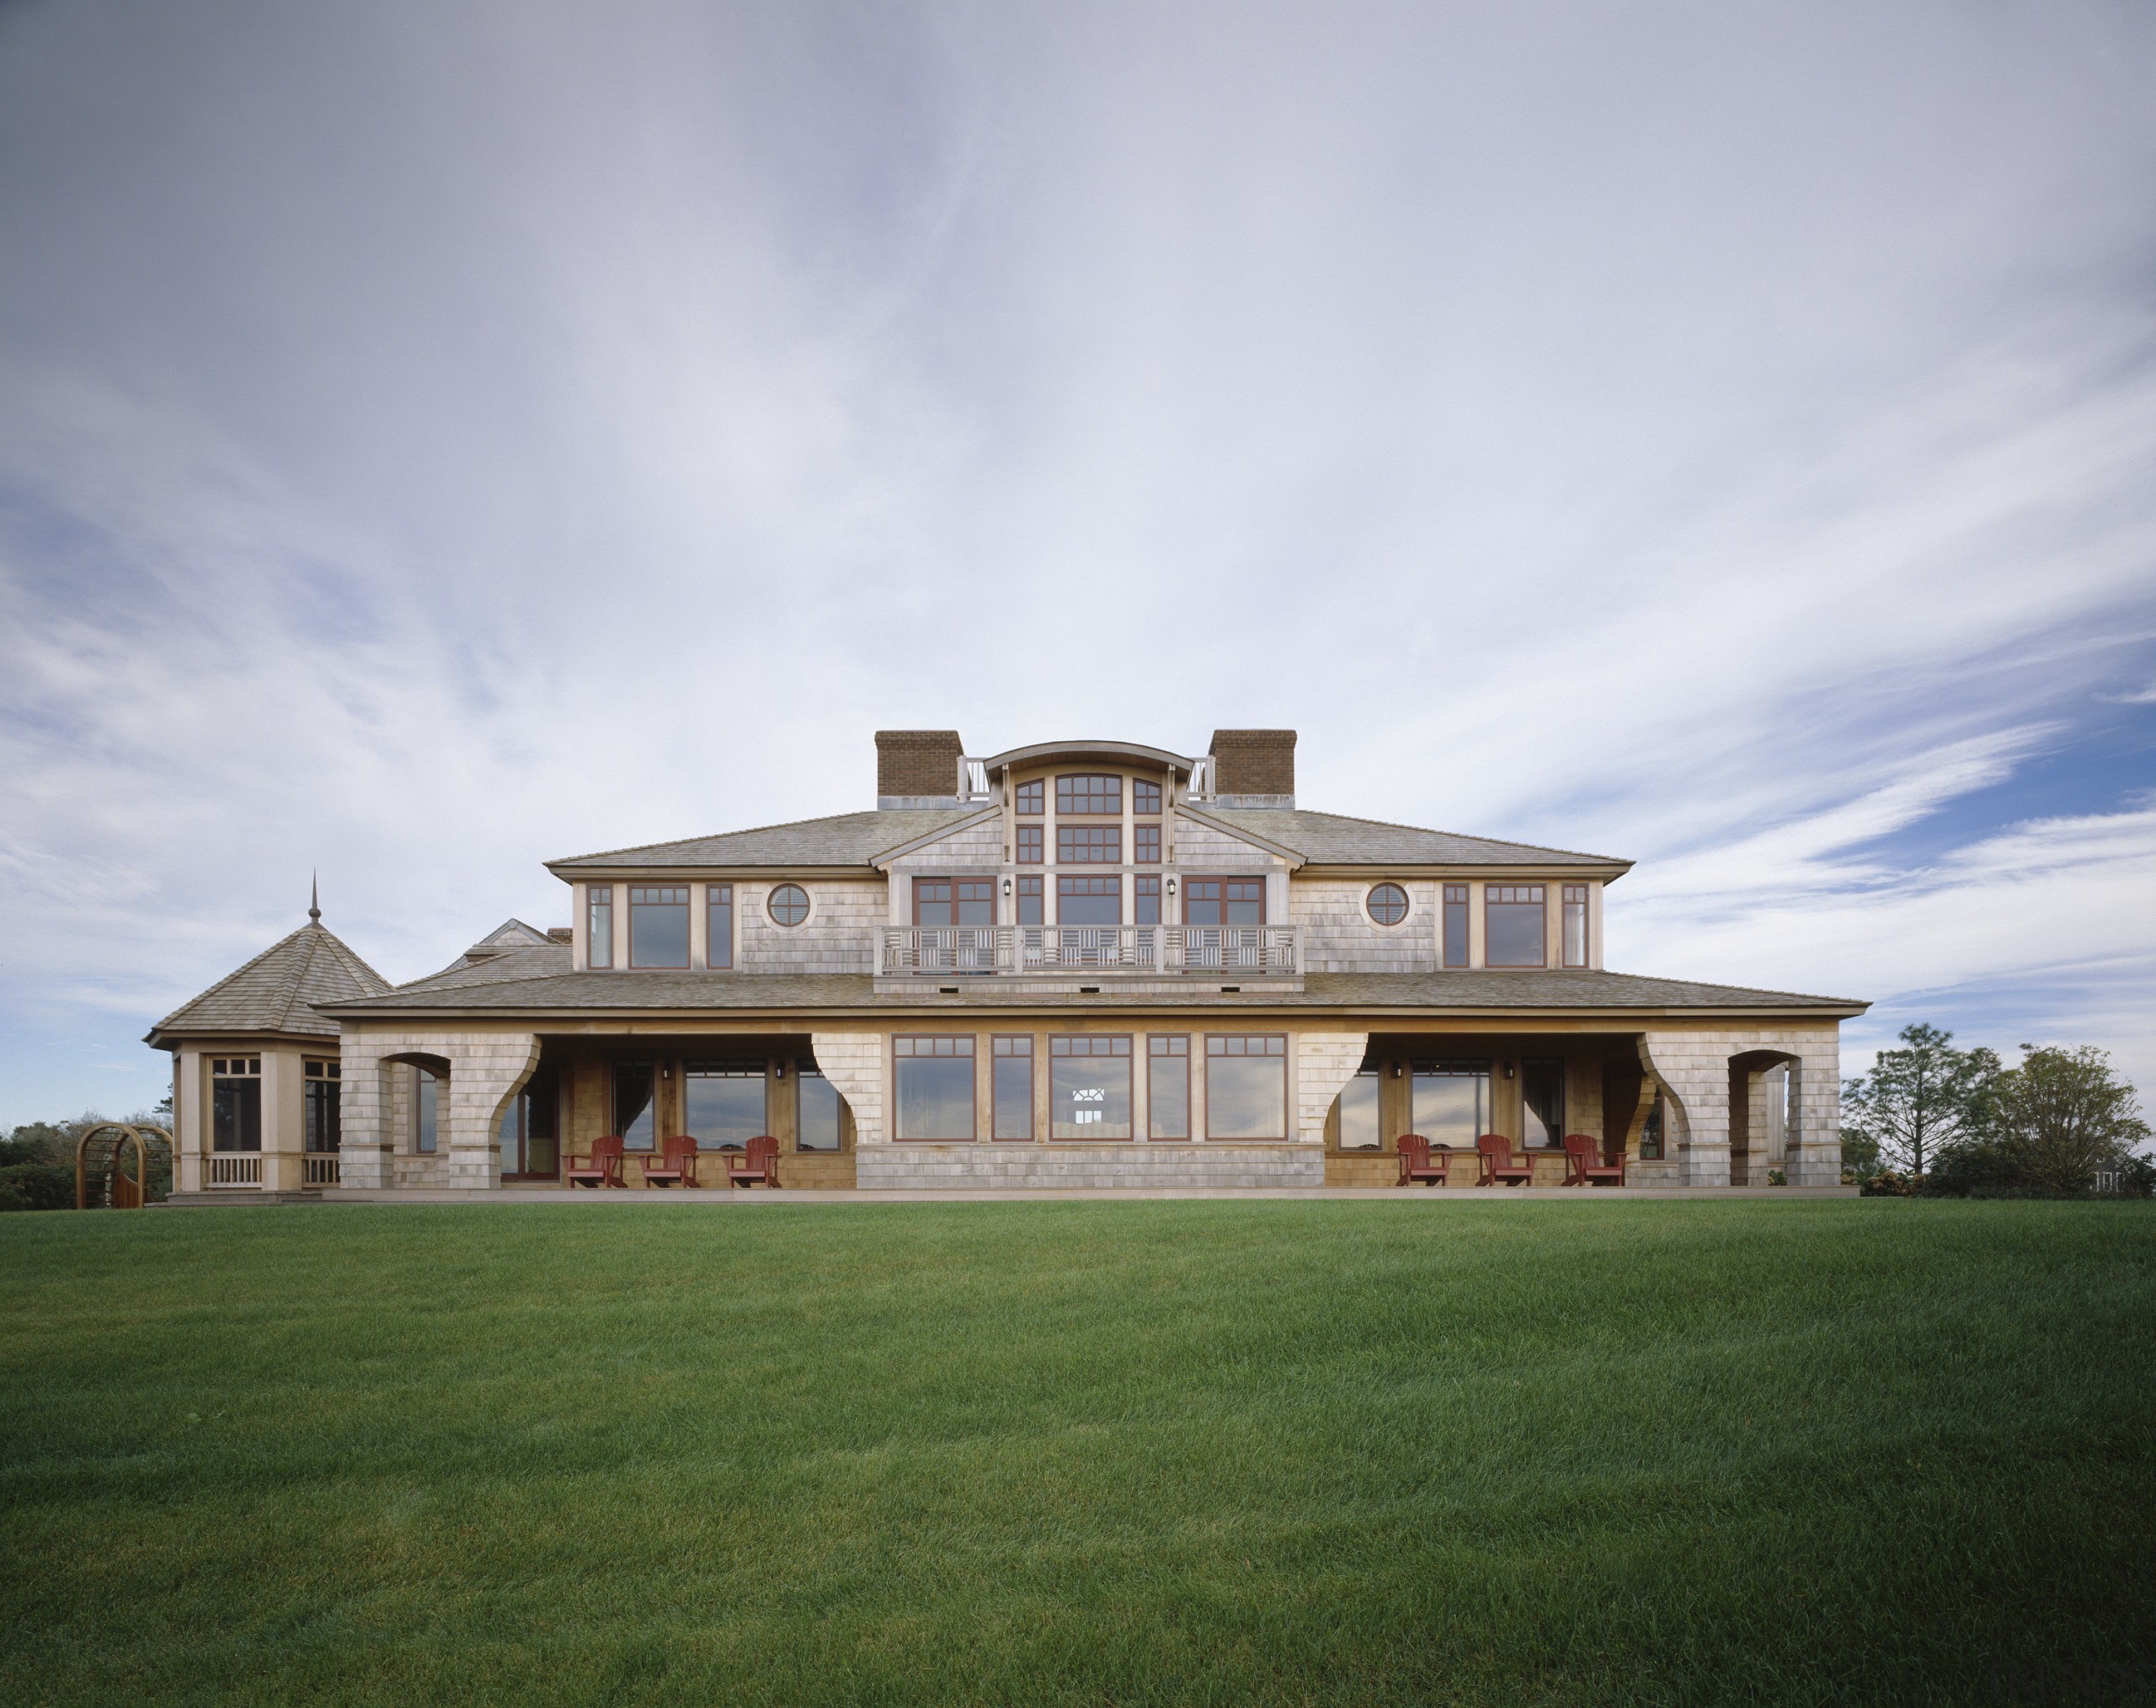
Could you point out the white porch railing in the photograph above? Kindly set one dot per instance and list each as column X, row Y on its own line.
column 236, row 1169
column 318, row 1168
column 1205, row 950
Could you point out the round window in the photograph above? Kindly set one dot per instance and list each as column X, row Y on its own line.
column 789, row 903
column 1387, row 903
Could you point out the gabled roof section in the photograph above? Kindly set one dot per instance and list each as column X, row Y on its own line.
column 275, row 991
column 850, row 839
column 511, row 934
column 1329, row 839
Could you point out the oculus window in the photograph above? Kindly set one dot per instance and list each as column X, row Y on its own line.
column 1387, row 903
column 789, row 906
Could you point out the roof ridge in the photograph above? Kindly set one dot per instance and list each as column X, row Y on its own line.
column 1433, row 830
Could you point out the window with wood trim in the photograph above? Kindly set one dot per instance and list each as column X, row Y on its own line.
column 1387, row 903
column 940, row 902
column 1012, row 1092
column 1213, row 901
column 1090, row 794
column 818, row 1103
column 1246, row 1085
column 1089, row 845
column 1450, row 1102
column 932, row 1088
column 1145, row 844
column 236, row 1102
column 529, row 1126
column 1513, row 921
column 1029, row 844
column 635, row 1116
column 659, row 925
column 1145, row 900
column 1359, row 1100
column 1089, row 1086
column 322, row 1116
column 1029, row 901
column 725, row 1103
column 1144, row 796
column 1089, row 901
column 599, row 925
column 718, row 925
column 1575, row 927
column 1029, row 796
column 1542, row 1102
column 426, row 1113
column 1455, row 926
column 1167, row 1085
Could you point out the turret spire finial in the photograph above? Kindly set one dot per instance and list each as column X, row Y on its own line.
column 314, row 898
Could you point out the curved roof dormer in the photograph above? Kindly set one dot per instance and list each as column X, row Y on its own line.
column 1089, row 753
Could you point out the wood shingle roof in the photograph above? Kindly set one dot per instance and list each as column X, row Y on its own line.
column 276, row 990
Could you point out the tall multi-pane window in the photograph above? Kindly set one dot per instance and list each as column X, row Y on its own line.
column 1029, row 901
column 1089, row 845
column 658, row 925
column 817, row 1128
column 1090, row 795
column 1029, row 844
column 1247, row 1086
column 1030, row 797
column 599, row 925
column 1450, row 1102
column 1145, row 844
column 1167, row 1086
column 634, row 1117
column 942, row 902
column 933, row 1087
column 1090, row 901
column 718, row 925
column 1512, row 925
column 1358, row 1112
column 1013, row 1089
column 236, row 1102
column 1213, row 901
column 1089, row 1087
column 1542, row 1102
column 1455, row 925
column 1576, row 924
column 1144, row 796
column 724, row 1102
column 1145, row 900
column 322, row 1119
column 426, row 1114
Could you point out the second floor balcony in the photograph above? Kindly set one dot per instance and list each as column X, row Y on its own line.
column 1204, row 952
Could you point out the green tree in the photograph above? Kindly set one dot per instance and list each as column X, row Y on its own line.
column 2063, row 1114
column 1921, row 1099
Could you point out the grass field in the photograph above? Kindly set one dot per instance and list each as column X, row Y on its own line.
column 1220, row 1452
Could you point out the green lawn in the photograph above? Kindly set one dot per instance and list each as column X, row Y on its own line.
column 1219, row 1452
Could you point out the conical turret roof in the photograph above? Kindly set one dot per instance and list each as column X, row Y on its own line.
column 275, row 991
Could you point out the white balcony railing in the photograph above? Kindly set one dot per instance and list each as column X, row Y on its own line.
column 1203, row 950
column 236, row 1169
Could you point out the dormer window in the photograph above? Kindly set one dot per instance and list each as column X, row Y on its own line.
column 659, row 925
column 1512, row 925
column 1091, row 795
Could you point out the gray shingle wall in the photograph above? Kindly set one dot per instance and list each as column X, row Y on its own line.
column 1199, row 845
column 1339, row 936
column 977, row 845
column 838, row 937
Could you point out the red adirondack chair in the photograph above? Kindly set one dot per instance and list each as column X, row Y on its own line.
column 757, row 1165
column 677, row 1165
column 1583, row 1167
column 1499, row 1168
column 603, row 1167
column 1417, row 1164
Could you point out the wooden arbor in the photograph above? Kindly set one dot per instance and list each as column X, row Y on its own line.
column 102, row 1180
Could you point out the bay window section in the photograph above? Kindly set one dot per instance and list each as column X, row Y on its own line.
column 933, row 1086
column 1089, row 1087
column 724, row 1104
column 1542, row 1104
column 1089, row 901
column 1247, row 1086
column 659, row 925
column 1512, row 918
column 1358, row 1112
column 599, row 925
column 1012, row 1092
column 1450, row 1102
column 1167, row 1086
column 1455, row 925
column 816, row 1127
column 1575, row 925
column 719, row 926
column 634, row 1117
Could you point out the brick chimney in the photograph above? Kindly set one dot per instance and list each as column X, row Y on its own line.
column 916, row 765
column 1256, row 767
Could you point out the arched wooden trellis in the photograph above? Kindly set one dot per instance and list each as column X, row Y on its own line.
column 101, row 1155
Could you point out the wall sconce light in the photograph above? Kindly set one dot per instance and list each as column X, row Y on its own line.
column 1508, row 1069
column 666, row 1070
column 778, row 1070
column 1397, row 1070
column 1171, row 886
column 1006, row 886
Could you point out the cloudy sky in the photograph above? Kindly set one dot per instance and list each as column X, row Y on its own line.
column 437, row 437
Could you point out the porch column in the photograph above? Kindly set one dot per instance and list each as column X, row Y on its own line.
column 1324, row 1062
column 363, row 1112
column 484, row 1073
column 1694, row 1069
column 853, row 1061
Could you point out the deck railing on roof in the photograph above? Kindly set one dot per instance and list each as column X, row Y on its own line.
column 950, row 951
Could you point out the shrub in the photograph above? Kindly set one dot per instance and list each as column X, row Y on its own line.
column 37, row 1186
